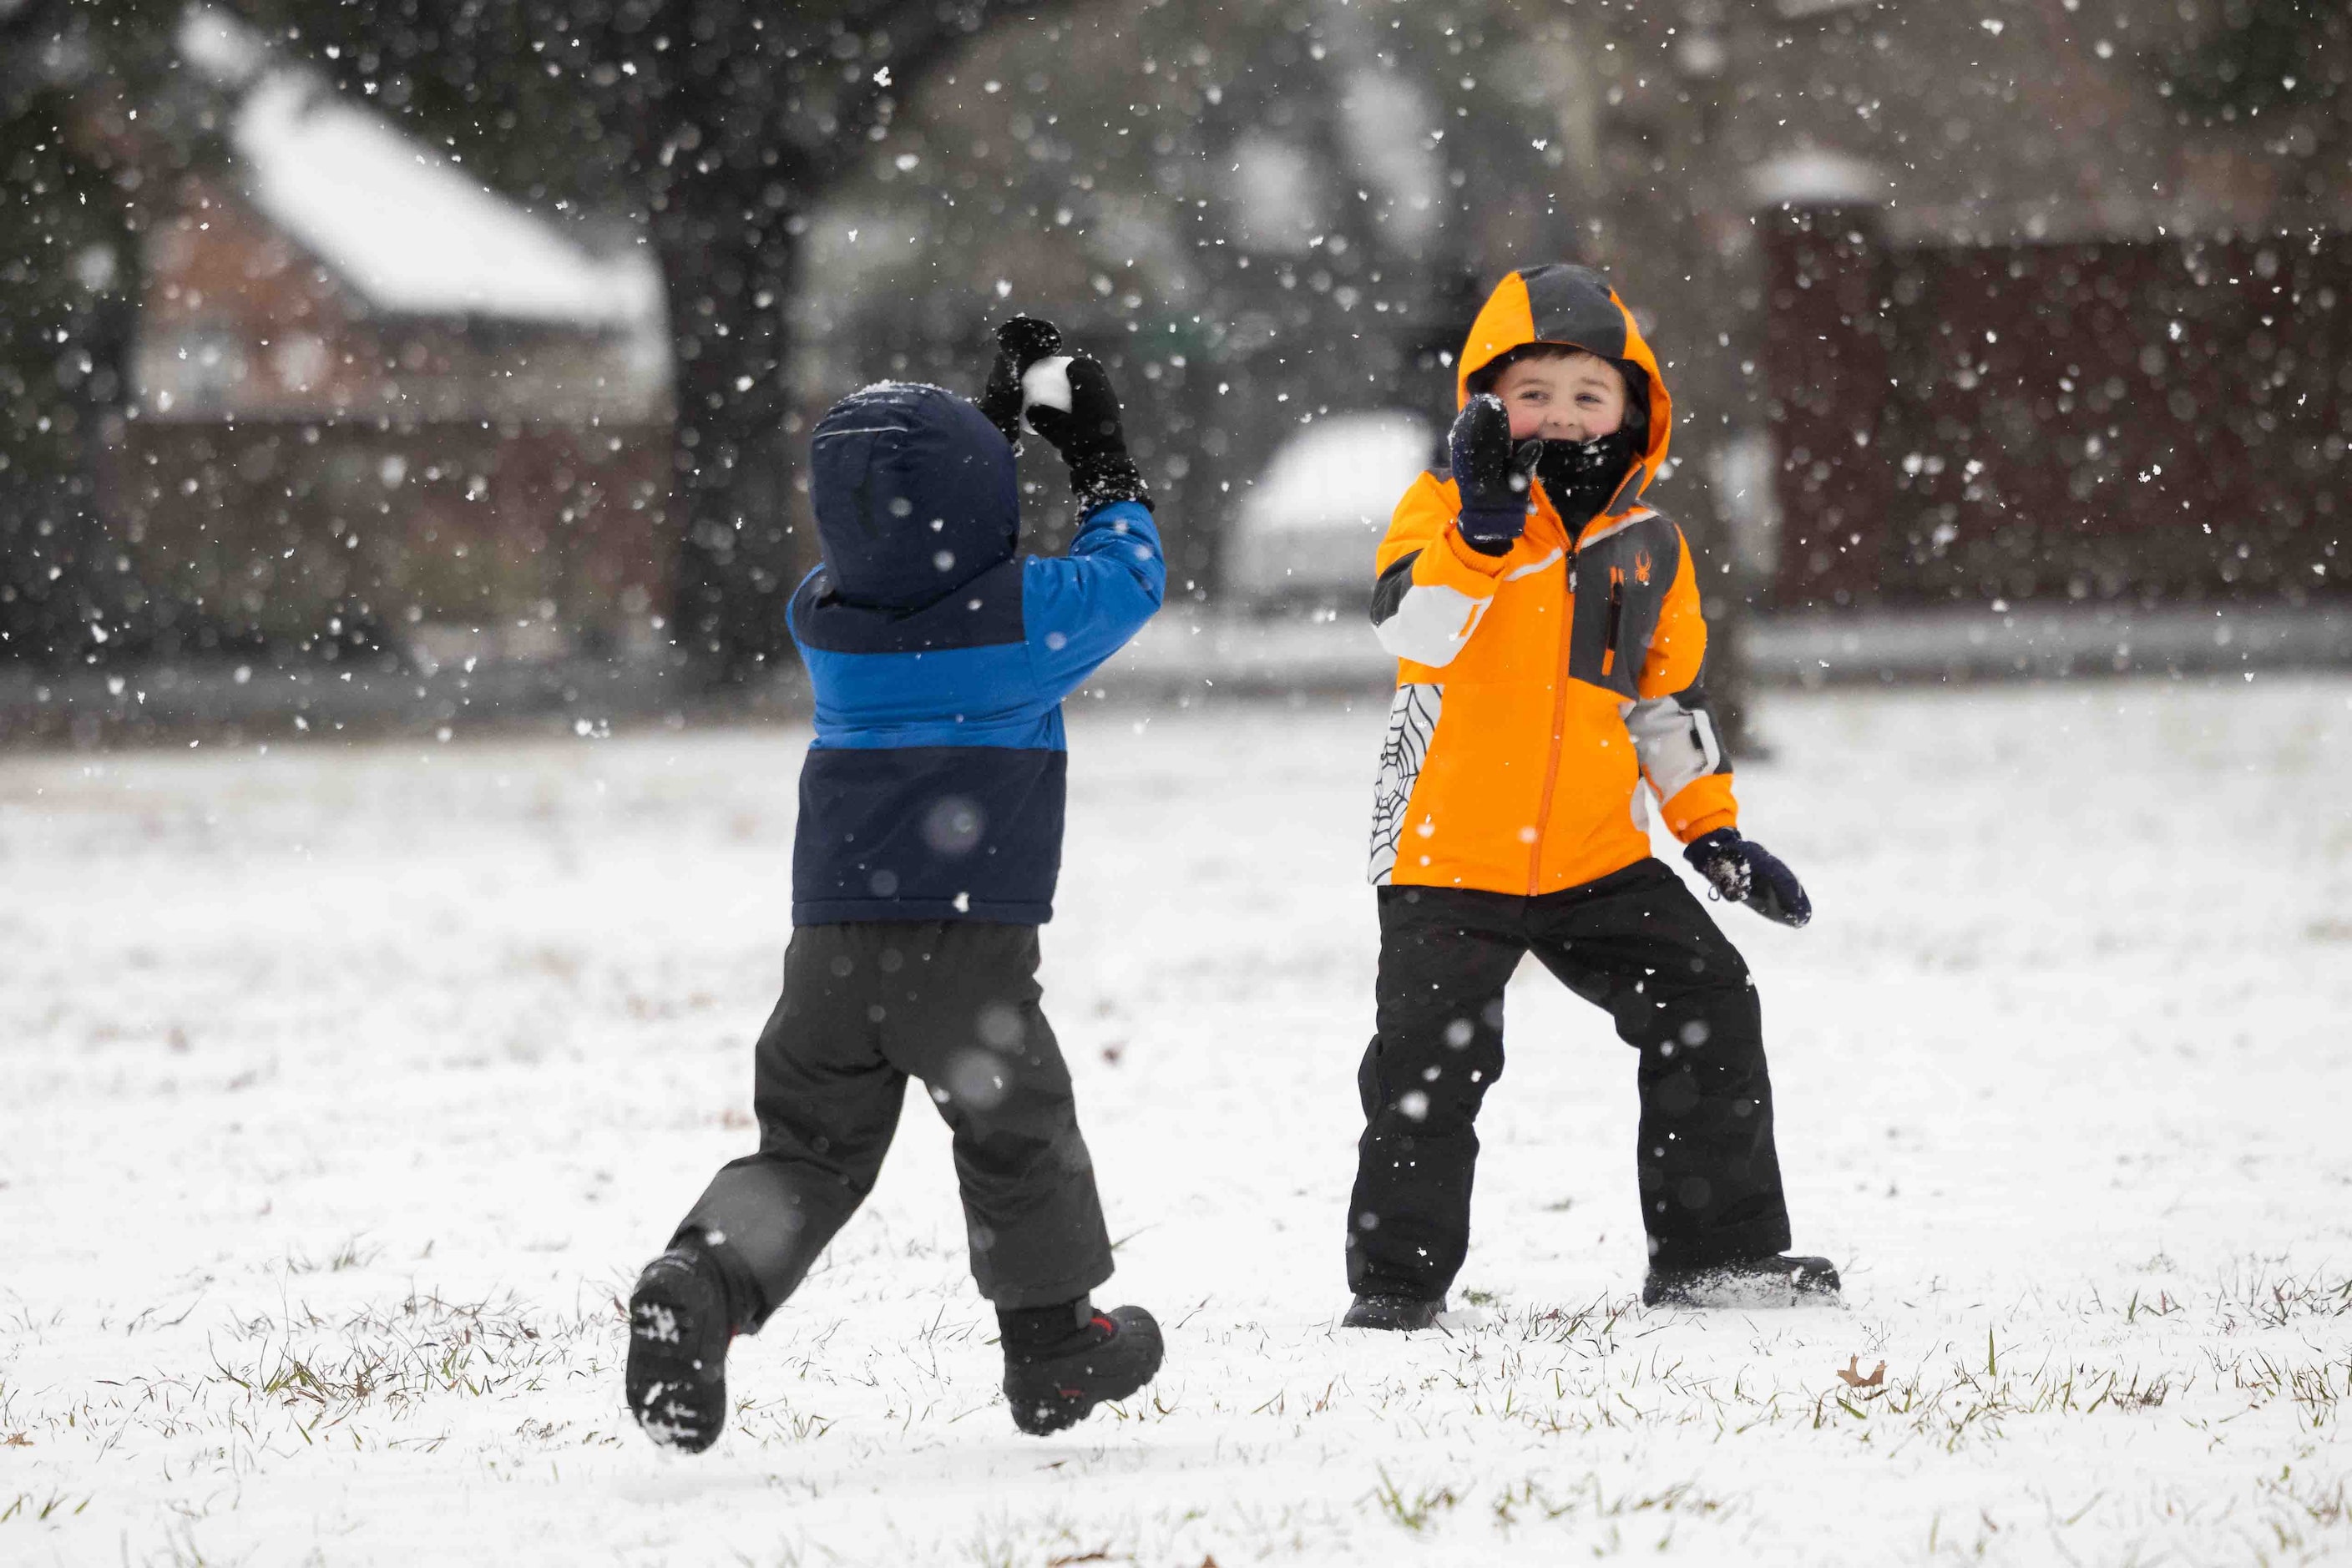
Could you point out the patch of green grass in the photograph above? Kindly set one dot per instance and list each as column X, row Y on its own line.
column 31, row 1509
column 1414, row 1514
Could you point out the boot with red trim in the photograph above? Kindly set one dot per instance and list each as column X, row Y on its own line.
column 1061, row 1361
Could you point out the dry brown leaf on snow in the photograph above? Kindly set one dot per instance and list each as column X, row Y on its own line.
column 1850, row 1374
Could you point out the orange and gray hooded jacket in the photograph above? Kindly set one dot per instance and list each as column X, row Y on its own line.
column 1536, row 689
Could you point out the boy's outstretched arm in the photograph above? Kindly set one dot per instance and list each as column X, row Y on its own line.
column 1674, row 736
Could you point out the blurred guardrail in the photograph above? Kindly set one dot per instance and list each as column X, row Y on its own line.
column 1182, row 654
column 1327, row 652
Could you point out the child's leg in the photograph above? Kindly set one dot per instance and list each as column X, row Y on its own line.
column 828, row 1104
column 1640, row 945
column 1446, row 956
column 962, row 1014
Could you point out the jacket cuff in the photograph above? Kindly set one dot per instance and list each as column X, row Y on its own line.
column 1701, row 807
column 1105, row 514
column 1457, row 565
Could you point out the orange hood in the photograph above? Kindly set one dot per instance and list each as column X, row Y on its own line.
column 1561, row 303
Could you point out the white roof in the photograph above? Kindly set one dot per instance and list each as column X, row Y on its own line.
column 1817, row 176
column 410, row 228
column 220, row 44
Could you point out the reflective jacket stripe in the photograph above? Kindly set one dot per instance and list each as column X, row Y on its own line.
column 1427, row 604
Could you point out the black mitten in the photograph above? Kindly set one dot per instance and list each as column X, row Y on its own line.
column 1020, row 343
column 1493, row 475
column 1090, row 437
column 1742, row 872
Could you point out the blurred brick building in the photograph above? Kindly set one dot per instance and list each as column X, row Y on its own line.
column 2055, row 306
column 380, row 407
column 2159, row 420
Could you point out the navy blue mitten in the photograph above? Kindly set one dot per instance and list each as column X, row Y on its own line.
column 1743, row 872
column 1494, row 478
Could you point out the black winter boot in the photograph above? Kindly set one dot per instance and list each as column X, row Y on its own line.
column 1061, row 1361
column 1770, row 1281
column 679, row 1331
column 1395, row 1314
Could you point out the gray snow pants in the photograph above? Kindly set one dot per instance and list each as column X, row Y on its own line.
column 866, row 1005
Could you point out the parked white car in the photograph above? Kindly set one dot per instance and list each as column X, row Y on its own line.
column 1307, row 531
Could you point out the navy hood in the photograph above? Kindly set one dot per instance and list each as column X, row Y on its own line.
column 914, row 492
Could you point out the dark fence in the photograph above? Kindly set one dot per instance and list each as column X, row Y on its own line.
column 2125, row 420
column 459, row 540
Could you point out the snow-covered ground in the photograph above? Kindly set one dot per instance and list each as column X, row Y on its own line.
column 342, row 1089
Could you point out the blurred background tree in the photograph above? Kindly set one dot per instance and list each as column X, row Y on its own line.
column 2247, row 57
column 2291, row 61
column 72, row 77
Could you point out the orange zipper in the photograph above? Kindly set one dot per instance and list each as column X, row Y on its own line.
column 1616, row 624
column 1559, row 717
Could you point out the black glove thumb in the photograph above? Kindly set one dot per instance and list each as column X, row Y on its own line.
column 1020, row 343
column 1028, row 339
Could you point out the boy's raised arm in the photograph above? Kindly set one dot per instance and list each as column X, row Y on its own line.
column 1078, row 609
column 1450, row 540
column 1434, row 589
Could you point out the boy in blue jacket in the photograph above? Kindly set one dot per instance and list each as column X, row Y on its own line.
column 928, row 843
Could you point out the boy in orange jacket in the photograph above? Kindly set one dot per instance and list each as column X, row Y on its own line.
column 1548, row 635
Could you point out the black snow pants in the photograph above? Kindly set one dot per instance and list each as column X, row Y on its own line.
column 866, row 1005
column 1635, row 942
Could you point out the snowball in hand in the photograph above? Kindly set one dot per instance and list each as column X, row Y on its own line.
column 1046, row 383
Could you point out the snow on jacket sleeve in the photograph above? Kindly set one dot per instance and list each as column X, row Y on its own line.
column 1433, row 589
column 1079, row 609
column 1672, row 733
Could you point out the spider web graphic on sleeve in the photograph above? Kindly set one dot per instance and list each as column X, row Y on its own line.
column 1412, row 720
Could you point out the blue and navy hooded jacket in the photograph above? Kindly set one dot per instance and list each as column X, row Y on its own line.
column 935, row 787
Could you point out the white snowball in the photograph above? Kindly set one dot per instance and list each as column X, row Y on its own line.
column 1046, row 383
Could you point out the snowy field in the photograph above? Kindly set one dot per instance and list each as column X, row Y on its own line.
column 342, row 1091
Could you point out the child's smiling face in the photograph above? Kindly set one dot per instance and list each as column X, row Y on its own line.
column 1578, row 397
